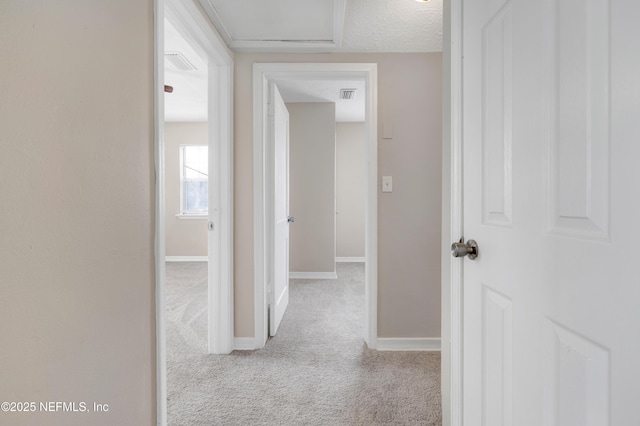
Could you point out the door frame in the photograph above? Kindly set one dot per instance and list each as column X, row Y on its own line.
column 189, row 20
column 263, row 193
column 274, row 122
column 453, row 224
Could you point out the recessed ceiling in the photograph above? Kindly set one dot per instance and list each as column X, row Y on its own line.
column 352, row 110
column 328, row 26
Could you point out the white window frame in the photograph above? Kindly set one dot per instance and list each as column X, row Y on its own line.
column 183, row 213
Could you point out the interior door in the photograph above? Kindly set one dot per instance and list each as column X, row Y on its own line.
column 551, row 195
column 279, row 293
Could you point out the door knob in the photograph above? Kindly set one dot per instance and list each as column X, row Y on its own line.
column 461, row 249
column 291, row 219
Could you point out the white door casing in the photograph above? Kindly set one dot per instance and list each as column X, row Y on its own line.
column 187, row 18
column 279, row 133
column 195, row 27
column 549, row 116
column 263, row 74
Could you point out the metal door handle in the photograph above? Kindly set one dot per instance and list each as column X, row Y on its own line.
column 291, row 219
column 461, row 249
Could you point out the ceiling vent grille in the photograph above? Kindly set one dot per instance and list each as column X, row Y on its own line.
column 178, row 61
column 348, row 94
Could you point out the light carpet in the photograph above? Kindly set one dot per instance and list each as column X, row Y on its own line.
column 316, row 371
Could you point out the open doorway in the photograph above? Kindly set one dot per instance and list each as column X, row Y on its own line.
column 186, row 172
column 327, row 170
column 217, row 215
column 318, row 129
column 328, row 173
column 186, row 149
column 351, row 75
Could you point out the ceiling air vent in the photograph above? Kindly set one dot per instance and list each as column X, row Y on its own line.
column 348, row 94
column 178, row 61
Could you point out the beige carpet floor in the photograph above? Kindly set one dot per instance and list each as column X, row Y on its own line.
column 316, row 371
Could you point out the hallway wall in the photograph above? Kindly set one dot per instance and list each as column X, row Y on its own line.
column 351, row 181
column 77, row 280
column 409, row 100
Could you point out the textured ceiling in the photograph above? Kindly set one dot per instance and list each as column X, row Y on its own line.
column 393, row 26
column 303, row 26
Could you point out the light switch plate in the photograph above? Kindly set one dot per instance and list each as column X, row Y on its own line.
column 387, row 184
column 387, row 131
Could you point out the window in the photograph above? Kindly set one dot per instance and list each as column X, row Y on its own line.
column 194, row 173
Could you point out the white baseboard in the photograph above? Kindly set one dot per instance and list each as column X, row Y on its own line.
column 186, row 258
column 351, row 259
column 409, row 344
column 244, row 343
column 313, row 275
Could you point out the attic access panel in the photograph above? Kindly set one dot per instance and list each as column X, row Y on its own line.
column 276, row 20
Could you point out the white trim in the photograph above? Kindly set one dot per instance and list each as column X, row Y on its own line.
column 457, row 220
column 371, row 214
column 260, row 96
column 339, row 12
column 195, row 27
column 188, row 18
column 191, row 216
column 431, row 344
column 217, row 21
column 244, row 344
column 351, row 259
column 221, row 302
column 313, row 276
column 262, row 73
column 160, row 237
column 283, row 46
column 186, row 258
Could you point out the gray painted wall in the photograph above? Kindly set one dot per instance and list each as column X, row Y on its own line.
column 351, row 181
column 312, row 159
column 77, row 182
column 409, row 226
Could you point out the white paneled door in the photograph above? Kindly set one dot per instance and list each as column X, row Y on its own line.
column 551, row 119
column 279, row 127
